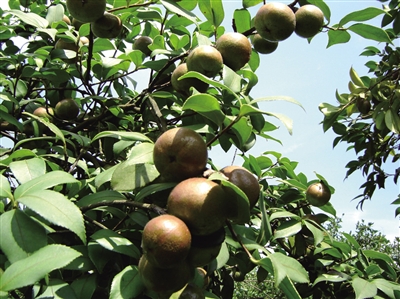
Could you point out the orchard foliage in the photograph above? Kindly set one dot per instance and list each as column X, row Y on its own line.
column 367, row 115
column 77, row 193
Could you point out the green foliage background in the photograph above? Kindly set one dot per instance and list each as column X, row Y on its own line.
column 77, row 194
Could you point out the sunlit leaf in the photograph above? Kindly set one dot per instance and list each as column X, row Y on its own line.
column 34, row 267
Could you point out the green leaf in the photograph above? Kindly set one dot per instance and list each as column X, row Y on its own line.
column 121, row 135
column 84, row 286
column 130, row 176
column 351, row 240
column 57, row 289
column 173, row 7
column 375, row 255
column 277, row 98
column 55, row 13
column 46, row 181
column 288, row 228
column 242, row 19
column 20, row 235
column 289, row 289
column 57, row 209
column 386, row 286
column 323, row 6
column 250, row 3
column 151, row 189
column 5, row 188
column 247, row 109
column 126, row 284
column 52, row 127
column 361, row 15
column 363, row 288
column 284, row 214
column 34, row 267
column 355, row 78
column 213, row 10
column 29, row 18
column 238, row 198
column 206, row 105
column 102, row 196
column 112, row 241
column 318, row 234
column 26, row 170
column 392, row 121
column 370, row 32
column 265, row 232
column 337, row 36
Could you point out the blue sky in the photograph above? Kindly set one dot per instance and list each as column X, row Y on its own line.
column 311, row 73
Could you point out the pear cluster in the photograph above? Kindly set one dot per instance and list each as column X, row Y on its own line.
column 232, row 49
column 275, row 22
column 191, row 233
column 103, row 24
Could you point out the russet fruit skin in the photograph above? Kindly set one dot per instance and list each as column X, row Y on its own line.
column 166, row 241
column 235, row 49
column 142, row 44
column 161, row 280
column 200, row 203
column 67, row 109
column 309, row 20
column 245, row 180
column 318, row 194
column 180, row 153
column 183, row 86
column 86, row 11
column 263, row 46
column 206, row 60
column 275, row 21
column 108, row 26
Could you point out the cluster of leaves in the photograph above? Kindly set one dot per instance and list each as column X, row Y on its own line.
column 367, row 117
column 76, row 194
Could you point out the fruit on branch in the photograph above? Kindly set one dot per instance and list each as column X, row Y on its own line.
column 161, row 280
column 77, row 24
column 318, row 194
column 204, row 249
column 363, row 105
column 275, row 21
column 180, row 153
column 206, row 60
column 183, row 86
column 44, row 112
column 235, row 49
column 67, row 109
column 142, row 44
column 309, row 20
column 245, row 180
column 166, row 241
column 86, row 10
column 200, row 203
column 108, row 26
column 263, row 46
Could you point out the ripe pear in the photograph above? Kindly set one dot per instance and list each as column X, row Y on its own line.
column 235, row 49
column 142, row 44
column 263, row 46
column 318, row 194
column 166, row 241
column 275, row 21
column 86, row 10
column 309, row 20
column 206, row 60
column 200, row 203
column 164, row 280
column 180, row 153
column 183, row 86
column 67, row 109
column 108, row 26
